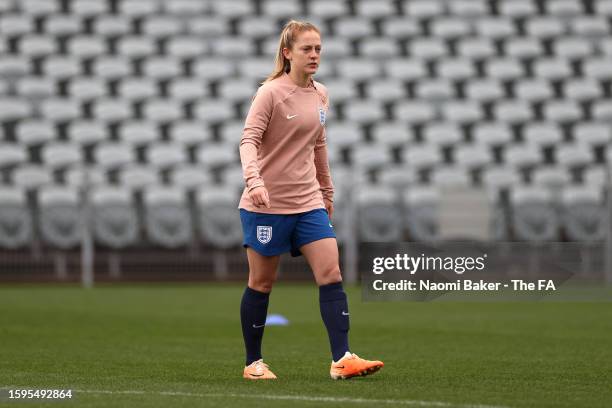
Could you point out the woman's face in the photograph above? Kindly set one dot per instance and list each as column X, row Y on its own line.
column 306, row 52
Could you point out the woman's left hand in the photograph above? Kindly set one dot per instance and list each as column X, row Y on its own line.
column 329, row 206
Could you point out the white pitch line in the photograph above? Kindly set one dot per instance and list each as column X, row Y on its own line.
column 417, row 403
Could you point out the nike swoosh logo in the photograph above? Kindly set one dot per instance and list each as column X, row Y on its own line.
column 291, row 116
column 255, row 375
column 345, row 313
column 339, row 367
column 258, row 327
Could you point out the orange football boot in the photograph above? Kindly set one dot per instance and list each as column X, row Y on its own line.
column 258, row 370
column 352, row 365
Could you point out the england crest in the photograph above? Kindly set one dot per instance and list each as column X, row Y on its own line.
column 264, row 233
column 322, row 116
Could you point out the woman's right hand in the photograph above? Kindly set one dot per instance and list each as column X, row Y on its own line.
column 259, row 196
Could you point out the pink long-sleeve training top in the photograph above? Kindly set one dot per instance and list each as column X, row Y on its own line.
column 284, row 148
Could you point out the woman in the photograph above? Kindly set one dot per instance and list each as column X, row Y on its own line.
column 287, row 203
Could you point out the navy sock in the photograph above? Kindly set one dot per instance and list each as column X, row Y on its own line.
column 335, row 314
column 253, row 311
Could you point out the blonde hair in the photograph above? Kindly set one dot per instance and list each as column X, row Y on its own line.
column 287, row 38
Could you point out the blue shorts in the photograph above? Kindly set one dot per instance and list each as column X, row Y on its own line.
column 274, row 234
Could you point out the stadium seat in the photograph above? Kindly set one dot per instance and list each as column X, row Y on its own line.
column 115, row 221
column 582, row 89
column 39, row 7
column 378, row 214
column 517, row 8
column 358, row 69
column 61, row 154
column 551, row 177
column 35, row 132
column 544, row 27
column 573, row 48
column 442, row 134
column 186, row 7
column 397, row 177
column 184, row 47
column 210, row 110
column 188, row 89
column 450, row 27
column 112, row 67
column 404, row 69
column 492, row 134
column 512, row 111
column 89, row 8
column 523, row 47
column 162, row 68
column 574, row 155
column 504, row 69
column 552, row 68
column 237, row 90
column 500, row 177
column 450, row 176
column 33, row 45
column 385, row 90
column 255, row 70
column 112, row 25
column 190, row 176
column 562, row 111
column 470, row 156
column 438, row 89
column 138, row 133
column 236, row 8
column 592, row 133
column 495, row 27
column 112, row 109
column 31, row 176
column 589, row 26
column 208, row 26
column 461, row 111
column 533, row 216
column 341, row 90
column 484, row 90
column 15, row 218
column 86, row 46
column 218, row 154
column 602, row 110
column 343, row 134
column 281, row 8
column 422, row 213
column 137, row 88
column 476, row 48
column 564, row 8
column 60, row 109
column 375, row 8
column 14, row 108
column 390, row 134
column 12, row 154
column 596, row 177
column 86, row 132
column 428, row 48
column 161, row 26
column 364, row 111
column 165, row 155
column 582, row 213
column 138, row 8
column 413, row 112
column 522, row 155
column 422, row 156
column 455, row 69
column 377, row 47
column 233, row 47
column 78, row 176
column 60, row 216
column 327, row 9
column 60, row 67
column 468, row 8
column 167, row 216
column 257, row 27
column 35, row 87
column 543, row 134
column 16, row 24
column 189, row 133
column 423, row 9
column 401, row 27
column 370, row 156
column 162, row 110
column 137, row 177
column 218, row 222
column 598, row 68
column 113, row 155
column 87, row 88
column 136, row 46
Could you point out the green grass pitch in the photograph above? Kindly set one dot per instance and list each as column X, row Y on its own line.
column 181, row 346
